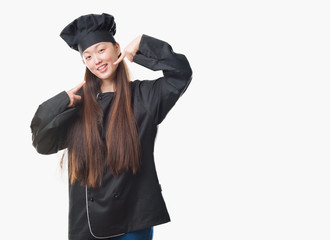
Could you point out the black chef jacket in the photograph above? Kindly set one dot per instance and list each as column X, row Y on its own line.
column 128, row 202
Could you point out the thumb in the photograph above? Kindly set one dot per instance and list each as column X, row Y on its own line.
column 76, row 98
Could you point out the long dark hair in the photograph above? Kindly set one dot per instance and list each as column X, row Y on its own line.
column 88, row 154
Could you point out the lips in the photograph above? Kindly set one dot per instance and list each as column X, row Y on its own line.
column 102, row 68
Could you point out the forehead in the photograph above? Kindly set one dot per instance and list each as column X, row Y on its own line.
column 95, row 46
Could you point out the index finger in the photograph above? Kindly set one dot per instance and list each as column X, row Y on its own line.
column 76, row 89
column 123, row 55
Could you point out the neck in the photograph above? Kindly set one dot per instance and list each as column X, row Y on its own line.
column 107, row 85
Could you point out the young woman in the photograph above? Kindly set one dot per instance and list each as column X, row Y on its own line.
column 109, row 125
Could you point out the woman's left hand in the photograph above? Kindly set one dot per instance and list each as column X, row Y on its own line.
column 130, row 51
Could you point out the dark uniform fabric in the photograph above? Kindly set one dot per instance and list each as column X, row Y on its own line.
column 128, row 202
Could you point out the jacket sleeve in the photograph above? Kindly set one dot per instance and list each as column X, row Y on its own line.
column 160, row 95
column 50, row 124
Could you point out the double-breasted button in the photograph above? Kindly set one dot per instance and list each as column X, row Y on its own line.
column 99, row 97
column 91, row 199
column 116, row 195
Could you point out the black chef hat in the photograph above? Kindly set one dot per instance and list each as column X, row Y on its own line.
column 89, row 29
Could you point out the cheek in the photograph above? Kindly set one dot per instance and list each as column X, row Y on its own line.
column 112, row 58
column 89, row 66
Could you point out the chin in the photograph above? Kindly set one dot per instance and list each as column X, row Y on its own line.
column 102, row 76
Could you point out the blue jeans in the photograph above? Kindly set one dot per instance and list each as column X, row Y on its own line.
column 144, row 234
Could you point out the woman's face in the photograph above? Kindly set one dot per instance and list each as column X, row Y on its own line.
column 99, row 59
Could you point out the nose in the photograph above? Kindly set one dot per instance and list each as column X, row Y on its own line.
column 97, row 60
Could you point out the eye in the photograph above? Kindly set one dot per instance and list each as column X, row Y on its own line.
column 87, row 58
column 101, row 50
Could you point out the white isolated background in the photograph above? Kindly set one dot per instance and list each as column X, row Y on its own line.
column 244, row 154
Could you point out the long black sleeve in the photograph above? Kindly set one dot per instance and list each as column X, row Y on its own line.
column 160, row 95
column 50, row 124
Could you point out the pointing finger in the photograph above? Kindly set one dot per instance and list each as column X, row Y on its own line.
column 76, row 89
column 123, row 55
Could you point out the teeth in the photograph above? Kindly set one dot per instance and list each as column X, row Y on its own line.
column 100, row 68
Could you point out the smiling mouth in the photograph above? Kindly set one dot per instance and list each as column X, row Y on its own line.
column 102, row 68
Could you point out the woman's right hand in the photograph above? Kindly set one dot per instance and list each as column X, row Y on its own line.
column 74, row 99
